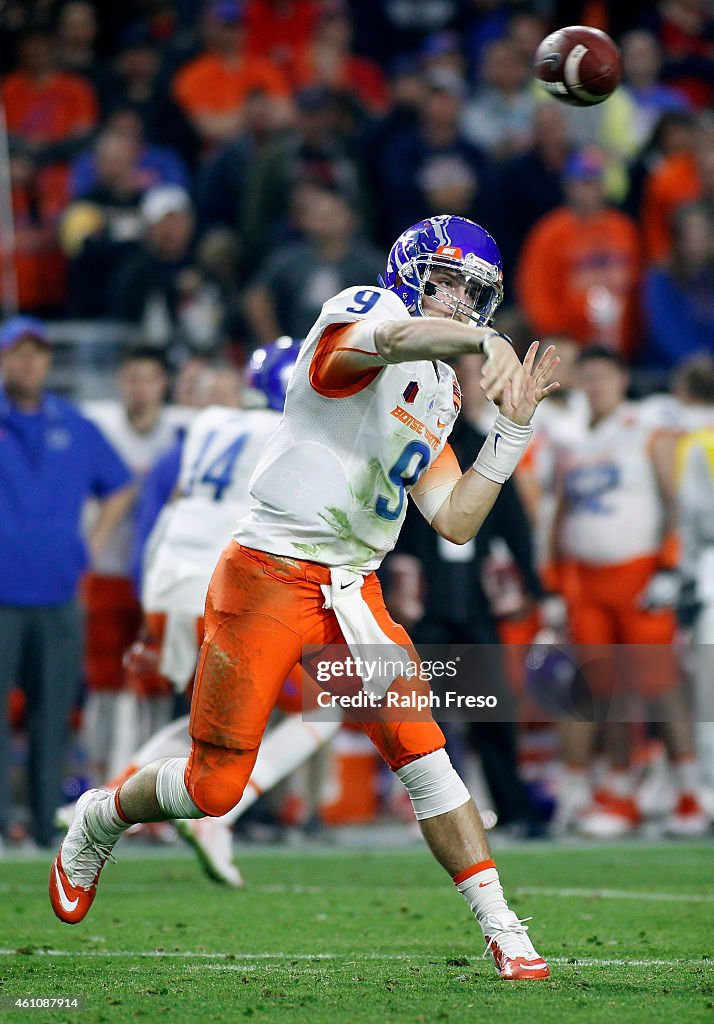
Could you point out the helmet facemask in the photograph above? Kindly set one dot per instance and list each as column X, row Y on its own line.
column 484, row 289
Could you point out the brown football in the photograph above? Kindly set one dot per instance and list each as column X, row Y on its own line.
column 578, row 65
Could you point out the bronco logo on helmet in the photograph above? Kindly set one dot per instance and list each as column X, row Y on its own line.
column 452, row 244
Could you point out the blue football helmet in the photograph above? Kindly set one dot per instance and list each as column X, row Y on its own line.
column 453, row 245
column 270, row 370
column 555, row 680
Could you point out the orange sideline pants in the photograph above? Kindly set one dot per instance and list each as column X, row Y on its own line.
column 603, row 610
column 260, row 611
column 113, row 617
column 142, row 660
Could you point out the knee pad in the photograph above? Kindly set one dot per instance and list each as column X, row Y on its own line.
column 433, row 784
column 216, row 777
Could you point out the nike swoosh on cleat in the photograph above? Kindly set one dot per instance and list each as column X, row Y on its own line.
column 533, row 967
column 67, row 904
column 496, row 439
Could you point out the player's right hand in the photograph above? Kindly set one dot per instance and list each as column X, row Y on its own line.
column 500, row 367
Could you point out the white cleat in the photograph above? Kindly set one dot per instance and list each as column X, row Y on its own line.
column 212, row 840
column 64, row 816
column 75, row 872
column 688, row 818
column 573, row 799
column 610, row 816
column 489, row 819
column 513, row 953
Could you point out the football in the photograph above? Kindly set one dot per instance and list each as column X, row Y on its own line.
column 578, row 65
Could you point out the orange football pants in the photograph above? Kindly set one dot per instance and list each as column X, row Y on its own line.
column 603, row 612
column 260, row 611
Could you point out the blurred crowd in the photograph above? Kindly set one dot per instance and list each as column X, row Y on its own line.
column 210, row 171
column 207, row 173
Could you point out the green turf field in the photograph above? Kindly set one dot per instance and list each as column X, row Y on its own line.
column 348, row 937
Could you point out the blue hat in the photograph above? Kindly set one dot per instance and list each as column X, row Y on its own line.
column 228, row 11
column 20, row 327
column 439, row 43
column 586, row 164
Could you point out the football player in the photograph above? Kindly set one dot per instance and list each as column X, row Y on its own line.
column 329, row 499
column 141, row 428
column 219, row 454
column 615, row 547
column 696, row 606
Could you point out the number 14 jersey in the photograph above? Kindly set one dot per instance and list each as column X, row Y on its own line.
column 221, row 450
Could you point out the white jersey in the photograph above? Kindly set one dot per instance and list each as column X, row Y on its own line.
column 670, row 415
column 695, row 500
column 555, row 423
column 332, row 485
column 221, row 450
column 139, row 451
column 612, row 508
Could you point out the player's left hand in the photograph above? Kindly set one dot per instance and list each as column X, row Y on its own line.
column 521, row 396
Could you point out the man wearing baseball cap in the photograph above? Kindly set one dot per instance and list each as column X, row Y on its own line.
column 580, row 264
column 51, row 460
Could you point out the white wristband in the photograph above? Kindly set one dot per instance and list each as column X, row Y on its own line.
column 502, row 449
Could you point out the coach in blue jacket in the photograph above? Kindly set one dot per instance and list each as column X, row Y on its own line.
column 51, row 460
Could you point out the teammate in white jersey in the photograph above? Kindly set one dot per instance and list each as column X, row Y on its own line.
column 696, row 524
column 614, row 544
column 141, row 428
column 367, row 417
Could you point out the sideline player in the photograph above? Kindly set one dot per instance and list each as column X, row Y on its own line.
column 141, row 427
column 613, row 541
column 329, row 502
column 695, row 501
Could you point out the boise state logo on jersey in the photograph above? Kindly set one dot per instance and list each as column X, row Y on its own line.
column 410, row 392
column 457, row 396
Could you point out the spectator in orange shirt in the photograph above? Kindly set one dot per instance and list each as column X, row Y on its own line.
column 50, row 112
column 280, row 29
column 212, row 88
column 683, row 178
column 40, row 271
column 685, row 29
column 329, row 61
column 579, row 268
column 672, row 135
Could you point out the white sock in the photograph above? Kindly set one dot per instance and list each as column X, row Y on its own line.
column 104, row 820
column 620, row 783
column 686, row 775
column 481, row 888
